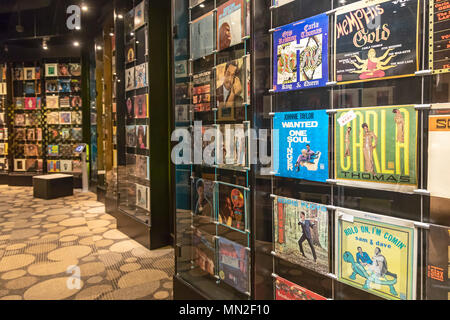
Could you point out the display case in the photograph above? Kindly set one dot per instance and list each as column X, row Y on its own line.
column 349, row 105
column 4, row 122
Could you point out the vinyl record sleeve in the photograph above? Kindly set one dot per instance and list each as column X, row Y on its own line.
column 234, row 265
column 376, row 148
column 377, row 254
column 202, row 36
column 386, row 50
column 230, row 24
column 286, row 290
column 301, row 233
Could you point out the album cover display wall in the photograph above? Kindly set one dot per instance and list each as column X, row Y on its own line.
column 4, row 123
column 28, row 121
column 351, row 178
column 136, row 185
column 212, row 102
column 63, row 107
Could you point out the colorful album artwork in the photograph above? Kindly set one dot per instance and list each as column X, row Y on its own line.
column 204, row 251
column 286, row 290
column 233, row 207
column 439, row 33
column 77, row 117
column 301, row 49
column 301, row 233
column 75, row 102
column 63, row 70
column 142, row 167
column 53, row 166
column 129, row 79
column 75, row 86
column 202, row 36
column 376, row 254
column 53, row 118
column 141, row 106
column 77, row 166
column 230, row 89
column 438, row 169
column 130, row 52
column 29, row 73
column 53, row 150
column 2, row 119
column 51, row 70
column 31, row 150
column 64, row 102
column 203, row 197
column 19, row 103
column 65, row 118
column 233, row 147
column 64, row 86
column 230, row 22
column 142, row 137
column 141, row 76
column 129, row 22
column 76, row 134
column 51, row 86
column 130, row 136
column 30, row 103
column 130, row 109
column 376, row 39
column 301, row 149
column 143, row 197
column 234, row 264
column 201, row 97
column 139, row 15
column 30, row 87
column 438, row 263
column 75, row 69
column 377, row 147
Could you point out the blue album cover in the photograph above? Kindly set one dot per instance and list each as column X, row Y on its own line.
column 301, row 150
column 233, row 264
column 301, row 54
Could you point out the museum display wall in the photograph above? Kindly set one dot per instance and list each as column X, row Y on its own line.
column 353, row 202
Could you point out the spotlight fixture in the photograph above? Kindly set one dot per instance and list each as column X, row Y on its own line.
column 76, row 43
column 111, row 32
column 120, row 16
column 131, row 33
column 84, row 7
column 44, row 45
column 99, row 47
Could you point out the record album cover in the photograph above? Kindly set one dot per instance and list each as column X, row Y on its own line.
column 52, row 102
column 31, row 150
column 201, row 96
column 130, row 109
column 203, row 197
column 51, row 86
column 141, row 76
column 29, row 87
column 53, row 150
column 75, row 69
column 438, row 263
column 64, row 86
column 130, row 52
column 77, row 117
column 53, row 118
column 141, row 106
column 232, row 146
column 286, row 290
column 51, row 70
column 230, row 28
column 376, row 147
column 376, row 40
column 234, row 264
column 53, row 166
column 301, row 49
column 64, row 102
column 376, row 254
column 129, row 79
column 63, row 70
column 142, row 167
column 230, row 89
column 233, row 206
column 65, row 118
column 30, row 103
column 75, row 102
column 139, row 15
column 66, row 165
column 130, row 136
column 301, row 233
column 19, row 120
column 204, row 251
column 202, row 36
column 301, row 149
column 143, row 197
column 142, row 137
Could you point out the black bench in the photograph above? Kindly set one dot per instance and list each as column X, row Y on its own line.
column 53, row 186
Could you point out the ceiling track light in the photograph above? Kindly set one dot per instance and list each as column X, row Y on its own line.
column 76, row 43
column 111, row 32
column 84, row 7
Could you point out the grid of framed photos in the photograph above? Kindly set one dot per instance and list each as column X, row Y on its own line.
column 213, row 101
column 28, row 118
column 4, row 110
column 356, row 187
column 63, row 108
column 135, row 185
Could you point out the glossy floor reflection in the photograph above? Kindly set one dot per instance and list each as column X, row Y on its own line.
column 42, row 240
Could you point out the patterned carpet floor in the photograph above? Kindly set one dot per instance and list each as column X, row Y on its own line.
column 69, row 248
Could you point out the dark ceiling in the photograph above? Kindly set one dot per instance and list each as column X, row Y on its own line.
column 47, row 18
